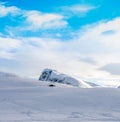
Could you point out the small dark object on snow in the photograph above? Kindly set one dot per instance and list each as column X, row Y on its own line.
column 51, row 85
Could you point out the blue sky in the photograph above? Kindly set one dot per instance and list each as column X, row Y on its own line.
column 105, row 9
column 77, row 37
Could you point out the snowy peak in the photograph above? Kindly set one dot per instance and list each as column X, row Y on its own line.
column 54, row 76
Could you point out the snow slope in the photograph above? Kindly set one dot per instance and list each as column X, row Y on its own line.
column 24, row 100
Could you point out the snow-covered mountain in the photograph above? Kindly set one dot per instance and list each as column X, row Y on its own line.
column 26, row 100
column 8, row 80
column 54, row 76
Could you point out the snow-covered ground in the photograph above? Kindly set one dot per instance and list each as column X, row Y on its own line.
column 25, row 100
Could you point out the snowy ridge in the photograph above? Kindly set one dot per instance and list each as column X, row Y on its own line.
column 93, row 84
column 8, row 80
column 54, row 76
column 4, row 74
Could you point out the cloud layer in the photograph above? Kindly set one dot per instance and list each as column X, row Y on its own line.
column 92, row 52
column 4, row 11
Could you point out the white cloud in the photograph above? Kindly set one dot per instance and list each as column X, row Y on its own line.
column 4, row 10
column 33, row 19
column 77, row 9
column 6, row 46
column 39, row 20
column 39, row 53
column 98, row 32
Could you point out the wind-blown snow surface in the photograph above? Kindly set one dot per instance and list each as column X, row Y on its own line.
column 23, row 100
